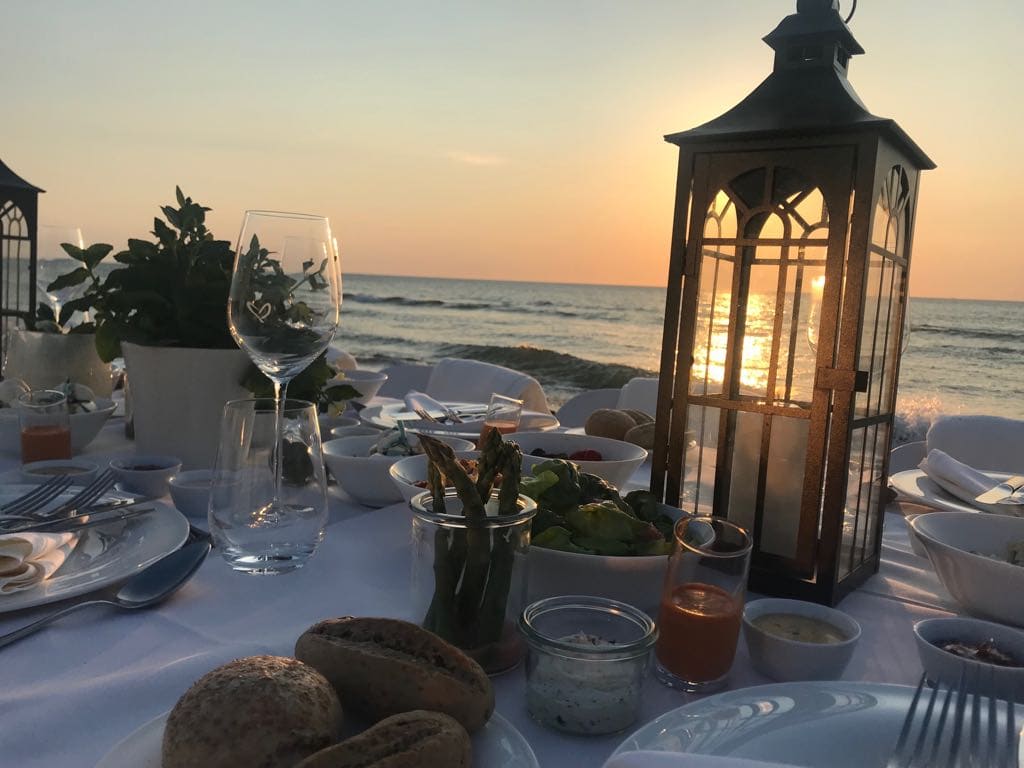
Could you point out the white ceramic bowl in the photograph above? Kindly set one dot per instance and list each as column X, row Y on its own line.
column 148, row 475
column 329, row 423
column 84, row 426
column 367, row 478
column 958, row 544
column 81, row 471
column 190, row 492
column 406, row 472
column 620, row 459
column 355, row 431
column 943, row 666
column 367, row 382
column 787, row 660
column 636, row 580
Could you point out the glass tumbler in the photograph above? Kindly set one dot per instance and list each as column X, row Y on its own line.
column 253, row 534
column 702, row 604
column 503, row 414
column 45, row 425
column 469, row 577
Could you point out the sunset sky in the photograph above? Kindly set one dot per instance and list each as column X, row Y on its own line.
column 513, row 140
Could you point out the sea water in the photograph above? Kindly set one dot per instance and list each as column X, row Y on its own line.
column 962, row 356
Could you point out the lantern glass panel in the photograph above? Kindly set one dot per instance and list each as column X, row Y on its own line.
column 697, row 494
column 712, row 324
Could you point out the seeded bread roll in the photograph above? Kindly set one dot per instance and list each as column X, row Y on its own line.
column 410, row 740
column 256, row 712
column 381, row 667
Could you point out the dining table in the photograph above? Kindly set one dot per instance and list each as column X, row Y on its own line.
column 71, row 692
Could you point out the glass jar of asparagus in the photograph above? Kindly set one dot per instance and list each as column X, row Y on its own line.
column 471, row 538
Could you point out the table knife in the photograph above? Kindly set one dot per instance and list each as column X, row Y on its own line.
column 1001, row 492
column 76, row 523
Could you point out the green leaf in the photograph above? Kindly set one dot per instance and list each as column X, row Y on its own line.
column 81, row 304
column 108, row 345
column 69, row 280
column 95, row 253
column 73, row 251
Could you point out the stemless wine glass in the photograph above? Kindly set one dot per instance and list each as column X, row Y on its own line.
column 54, row 262
column 259, row 523
column 285, row 297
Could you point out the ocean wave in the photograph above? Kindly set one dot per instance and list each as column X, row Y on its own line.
column 545, row 307
column 550, row 367
column 973, row 333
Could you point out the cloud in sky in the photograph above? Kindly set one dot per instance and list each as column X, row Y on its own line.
column 476, row 158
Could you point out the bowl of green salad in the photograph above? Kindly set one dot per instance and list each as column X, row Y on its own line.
column 587, row 539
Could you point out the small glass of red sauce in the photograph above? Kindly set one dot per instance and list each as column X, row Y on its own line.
column 45, row 426
column 702, row 604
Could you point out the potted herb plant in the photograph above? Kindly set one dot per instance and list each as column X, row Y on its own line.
column 164, row 308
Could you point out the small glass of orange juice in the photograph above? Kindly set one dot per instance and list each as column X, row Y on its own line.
column 45, row 426
column 503, row 415
column 702, row 604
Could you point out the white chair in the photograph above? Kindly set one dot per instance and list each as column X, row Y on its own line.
column 341, row 360
column 983, row 442
column 405, row 377
column 577, row 409
column 454, row 379
column 640, row 394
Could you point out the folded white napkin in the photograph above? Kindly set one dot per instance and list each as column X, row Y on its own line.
column 644, row 759
column 415, row 399
column 962, row 481
column 29, row 558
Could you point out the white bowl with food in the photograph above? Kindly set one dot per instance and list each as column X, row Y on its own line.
column 972, row 553
column 365, row 476
column 633, row 579
column 793, row 640
column 617, row 463
column 148, row 475
column 986, row 656
column 85, row 425
column 408, row 476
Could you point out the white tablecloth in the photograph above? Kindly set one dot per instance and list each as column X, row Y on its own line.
column 71, row 692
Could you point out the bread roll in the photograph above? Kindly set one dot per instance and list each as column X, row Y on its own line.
column 410, row 740
column 642, row 435
column 256, row 712
column 381, row 667
column 607, row 422
column 639, row 417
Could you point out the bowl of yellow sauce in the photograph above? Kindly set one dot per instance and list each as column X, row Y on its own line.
column 797, row 640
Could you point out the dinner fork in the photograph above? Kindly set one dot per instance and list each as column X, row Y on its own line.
column 449, row 414
column 996, row 749
column 38, row 497
column 81, row 500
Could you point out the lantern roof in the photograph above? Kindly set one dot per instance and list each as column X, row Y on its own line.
column 10, row 180
column 808, row 91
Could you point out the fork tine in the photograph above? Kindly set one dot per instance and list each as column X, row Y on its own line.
column 40, row 497
column 940, row 726
column 100, row 485
column 959, row 715
column 896, row 760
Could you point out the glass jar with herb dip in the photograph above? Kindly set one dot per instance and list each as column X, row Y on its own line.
column 586, row 661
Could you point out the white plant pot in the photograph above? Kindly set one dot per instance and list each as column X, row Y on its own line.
column 178, row 396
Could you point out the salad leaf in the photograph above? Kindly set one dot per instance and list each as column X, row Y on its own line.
column 535, row 486
column 566, row 492
column 604, row 520
column 557, row 537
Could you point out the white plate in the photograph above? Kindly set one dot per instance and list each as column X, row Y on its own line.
column 104, row 554
column 917, row 487
column 497, row 745
column 814, row 725
column 385, row 417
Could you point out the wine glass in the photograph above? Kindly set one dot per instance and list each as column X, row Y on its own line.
column 54, row 261
column 284, row 302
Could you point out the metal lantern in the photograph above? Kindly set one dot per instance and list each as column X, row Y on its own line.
column 786, row 300
column 18, row 257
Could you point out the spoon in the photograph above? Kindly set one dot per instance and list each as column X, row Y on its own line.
column 146, row 588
